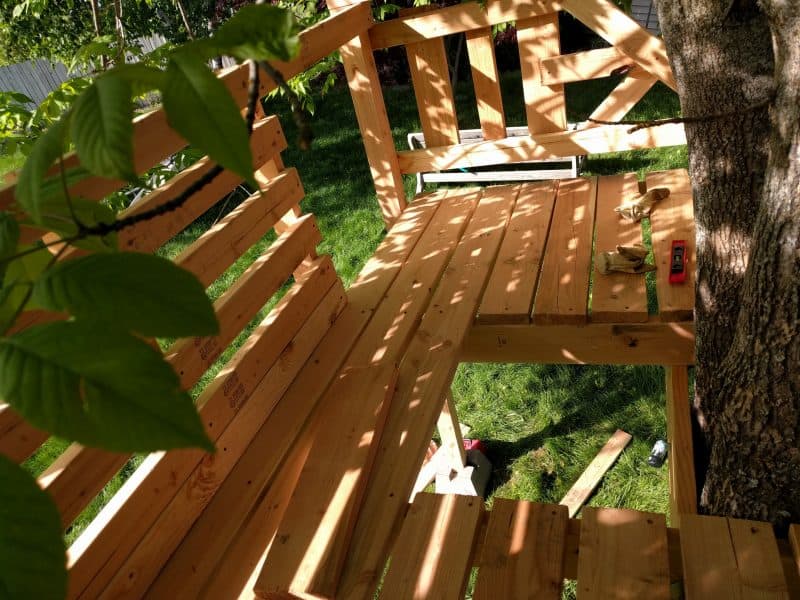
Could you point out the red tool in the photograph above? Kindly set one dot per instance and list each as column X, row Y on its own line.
column 677, row 264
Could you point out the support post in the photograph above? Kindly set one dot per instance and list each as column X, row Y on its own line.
column 365, row 88
column 682, row 486
column 450, row 432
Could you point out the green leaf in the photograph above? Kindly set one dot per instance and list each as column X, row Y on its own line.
column 201, row 109
column 18, row 281
column 142, row 78
column 57, row 217
column 102, row 128
column 47, row 149
column 98, row 386
column 9, row 234
column 136, row 292
column 33, row 560
column 258, row 32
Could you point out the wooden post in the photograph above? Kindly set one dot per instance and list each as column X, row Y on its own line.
column 682, row 487
column 450, row 432
column 362, row 77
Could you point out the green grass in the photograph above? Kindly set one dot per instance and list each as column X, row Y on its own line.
column 542, row 424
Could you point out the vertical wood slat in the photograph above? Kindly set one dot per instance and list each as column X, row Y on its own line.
column 673, row 219
column 623, row 554
column 523, row 551
column 432, row 555
column 486, row 81
column 373, row 122
column 509, row 294
column 617, row 297
column 682, row 484
column 544, row 105
column 430, row 76
column 563, row 292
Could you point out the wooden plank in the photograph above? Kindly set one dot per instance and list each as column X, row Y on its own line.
column 794, row 541
column 758, row 560
column 622, row 32
column 673, row 219
column 580, row 491
column 425, row 375
column 373, row 122
column 523, row 552
column 622, row 99
column 545, row 107
column 682, row 484
column 588, row 140
column 617, row 297
column 509, row 293
column 110, row 538
column 432, row 556
column 18, row 440
column 311, row 550
column 486, row 81
column 623, row 554
column 581, row 66
column 455, row 19
column 563, row 290
column 430, row 76
column 450, row 433
column 173, row 522
column 651, row 343
column 191, row 357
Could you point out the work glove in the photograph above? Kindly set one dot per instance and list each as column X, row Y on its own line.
column 637, row 209
column 627, row 259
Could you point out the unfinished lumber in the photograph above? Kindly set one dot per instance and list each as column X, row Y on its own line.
column 758, row 560
column 545, row 106
column 590, row 478
column 563, row 291
column 523, row 551
column 486, row 81
column 682, row 483
column 617, row 297
column 433, row 553
column 580, row 66
column 509, row 293
column 623, row 554
column 425, row 375
column 450, row 433
column 673, row 219
column 622, row 99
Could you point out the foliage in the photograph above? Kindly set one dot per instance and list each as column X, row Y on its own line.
column 52, row 373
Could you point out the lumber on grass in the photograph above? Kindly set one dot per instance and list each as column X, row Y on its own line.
column 590, row 478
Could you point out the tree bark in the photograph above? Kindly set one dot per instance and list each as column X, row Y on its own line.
column 745, row 172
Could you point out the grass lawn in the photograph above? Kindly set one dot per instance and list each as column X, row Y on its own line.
column 542, row 424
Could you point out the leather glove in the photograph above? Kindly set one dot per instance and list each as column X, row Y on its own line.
column 641, row 207
column 627, row 259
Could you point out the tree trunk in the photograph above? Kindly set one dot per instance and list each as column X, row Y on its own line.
column 745, row 172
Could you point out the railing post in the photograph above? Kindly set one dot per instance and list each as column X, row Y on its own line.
column 682, row 487
column 362, row 77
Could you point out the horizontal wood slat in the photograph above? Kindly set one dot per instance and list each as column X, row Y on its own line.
column 588, row 140
column 581, row 66
column 18, row 440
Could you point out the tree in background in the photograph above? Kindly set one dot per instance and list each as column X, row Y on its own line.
column 737, row 65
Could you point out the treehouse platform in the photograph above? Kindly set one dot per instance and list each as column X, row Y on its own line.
column 322, row 417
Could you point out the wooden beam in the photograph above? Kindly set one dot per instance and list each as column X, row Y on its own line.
column 450, row 433
column 580, row 491
column 587, row 140
column 581, row 66
column 682, row 484
column 486, row 81
column 651, row 343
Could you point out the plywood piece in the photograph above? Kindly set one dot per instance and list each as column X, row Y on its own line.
column 622, row 98
column 544, row 104
column 651, row 343
column 581, row 66
column 588, row 140
column 623, row 555
column 563, row 291
column 486, row 81
column 682, row 484
column 425, row 375
column 673, row 219
column 509, row 293
column 430, row 76
column 523, row 552
column 590, row 478
column 617, row 297
column 432, row 556
column 622, row 32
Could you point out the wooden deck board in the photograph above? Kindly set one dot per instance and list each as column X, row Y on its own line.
column 623, row 554
column 673, row 219
column 433, row 553
column 563, row 292
column 617, row 297
column 509, row 294
column 523, row 552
